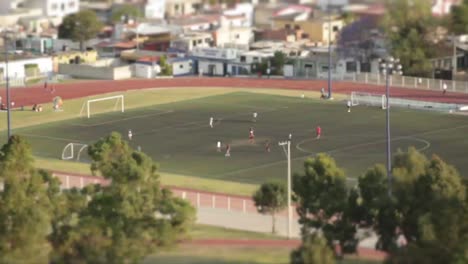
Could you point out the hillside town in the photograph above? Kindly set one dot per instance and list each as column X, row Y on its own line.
column 155, row 38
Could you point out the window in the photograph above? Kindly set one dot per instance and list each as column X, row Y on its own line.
column 181, row 66
column 297, row 27
column 304, row 35
column 237, row 36
column 207, row 40
column 176, row 7
column 200, row 41
column 71, row 4
column 309, row 66
column 336, row 29
column 351, row 66
column 287, row 26
column 62, row 6
column 194, row 43
column 242, row 58
column 255, row 59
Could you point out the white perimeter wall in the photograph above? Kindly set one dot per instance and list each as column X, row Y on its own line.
column 181, row 67
column 205, row 66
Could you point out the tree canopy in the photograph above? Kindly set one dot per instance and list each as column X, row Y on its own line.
column 427, row 208
column 126, row 11
column 80, row 27
column 313, row 250
column 407, row 25
column 323, row 201
column 271, row 198
column 24, row 205
column 459, row 18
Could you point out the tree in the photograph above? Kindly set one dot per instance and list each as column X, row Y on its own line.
column 428, row 207
column 271, row 198
column 323, row 201
column 313, row 250
column 130, row 218
column 459, row 18
column 277, row 62
column 81, row 26
column 407, row 25
column 24, row 205
column 125, row 11
column 166, row 68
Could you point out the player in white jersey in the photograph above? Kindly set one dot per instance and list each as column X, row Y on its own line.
column 255, row 116
column 348, row 104
column 218, row 146
column 130, row 134
column 211, row 122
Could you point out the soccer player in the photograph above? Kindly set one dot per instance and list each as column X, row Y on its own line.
column 255, row 117
column 130, row 134
column 211, row 122
column 348, row 104
column 228, row 151
column 268, row 146
column 218, row 146
column 445, row 88
column 318, row 131
column 251, row 135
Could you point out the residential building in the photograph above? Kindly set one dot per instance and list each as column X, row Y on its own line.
column 315, row 29
column 54, row 8
column 73, row 57
column 155, row 9
column 233, row 37
column 188, row 41
column 182, row 7
column 443, row 7
column 196, row 22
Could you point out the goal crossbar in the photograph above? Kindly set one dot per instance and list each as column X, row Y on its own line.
column 118, row 98
column 68, row 152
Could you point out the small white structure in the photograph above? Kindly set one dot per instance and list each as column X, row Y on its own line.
column 214, row 61
column 21, row 68
column 181, row 66
column 155, row 9
column 146, row 70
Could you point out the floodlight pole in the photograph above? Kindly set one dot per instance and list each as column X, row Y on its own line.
column 389, row 66
column 7, row 89
column 288, row 154
column 329, row 51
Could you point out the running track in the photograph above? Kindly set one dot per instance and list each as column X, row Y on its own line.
column 37, row 94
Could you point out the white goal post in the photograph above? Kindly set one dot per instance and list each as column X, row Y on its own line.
column 362, row 98
column 119, row 99
column 72, row 151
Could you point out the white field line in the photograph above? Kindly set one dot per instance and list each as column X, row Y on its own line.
column 341, row 149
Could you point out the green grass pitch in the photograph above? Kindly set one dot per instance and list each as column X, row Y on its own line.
column 178, row 136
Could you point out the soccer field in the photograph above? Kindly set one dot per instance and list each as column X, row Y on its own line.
column 178, row 136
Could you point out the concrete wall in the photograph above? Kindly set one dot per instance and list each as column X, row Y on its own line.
column 92, row 72
column 211, row 67
column 181, row 67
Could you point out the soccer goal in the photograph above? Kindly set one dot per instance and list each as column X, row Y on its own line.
column 361, row 98
column 116, row 100
column 73, row 151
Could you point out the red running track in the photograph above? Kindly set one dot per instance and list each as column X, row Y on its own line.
column 37, row 94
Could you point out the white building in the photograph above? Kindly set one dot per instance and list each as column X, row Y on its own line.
column 155, row 9
column 182, row 7
column 213, row 61
column 442, row 7
column 21, row 68
column 188, row 41
column 54, row 8
column 233, row 37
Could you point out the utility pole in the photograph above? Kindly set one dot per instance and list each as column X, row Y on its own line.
column 454, row 59
column 329, row 51
column 287, row 144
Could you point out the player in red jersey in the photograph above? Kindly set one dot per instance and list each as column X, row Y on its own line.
column 251, row 135
column 318, row 131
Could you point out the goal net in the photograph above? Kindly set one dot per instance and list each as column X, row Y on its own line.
column 74, row 151
column 361, row 98
column 105, row 104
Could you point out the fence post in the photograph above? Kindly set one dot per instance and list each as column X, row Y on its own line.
column 81, row 182
column 416, row 82
column 366, row 78
column 403, row 81
column 440, row 84
column 229, row 203
column 391, row 80
column 184, row 195
column 428, row 87
column 454, row 85
column 244, row 209
column 354, row 77
column 213, row 201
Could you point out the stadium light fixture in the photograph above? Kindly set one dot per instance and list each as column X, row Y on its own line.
column 287, row 144
column 389, row 66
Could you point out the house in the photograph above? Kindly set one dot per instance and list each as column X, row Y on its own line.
column 154, row 37
column 228, row 35
column 196, row 22
column 111, row 49
column 181, row 66
column 54, row 8
column 187, row 41
column 73, row 57
column 212, row 61
column 315, row 29
column 443, row 66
